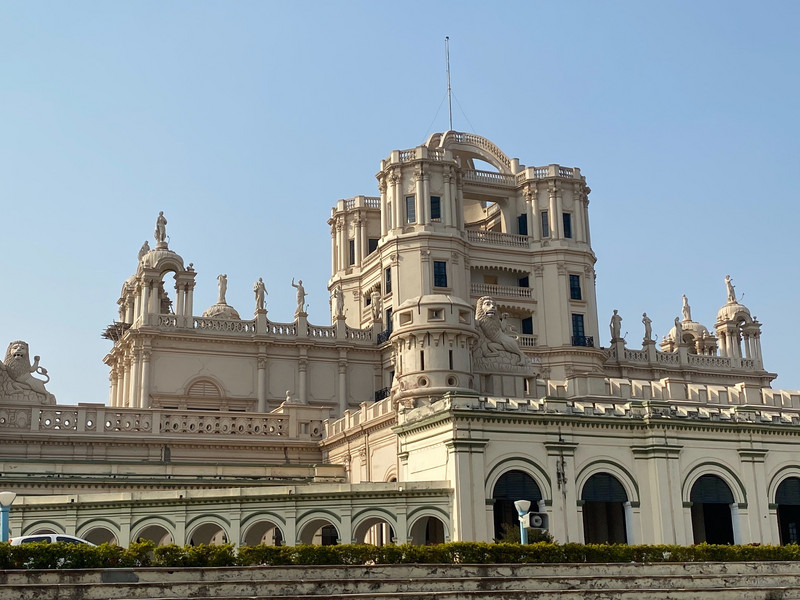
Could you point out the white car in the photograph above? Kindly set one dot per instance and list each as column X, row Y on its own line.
column 48, row 537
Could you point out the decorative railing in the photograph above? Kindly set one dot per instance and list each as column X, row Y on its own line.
column 494, row 238
column 583, row 340
column 477, row 140
column 362, row 335
column 168, row 321
column 526, row 340
column 368, row 202
column 490, row 177
column 382, row 409
column 383, row 336
column 543, row 172
column 71, row 420
column 636, row 355
column 372, row 202
column 407, row 155
column 717, row 362
column 287, row 329
column 502, row 291
column 382, row 393
column 224, row 325
column 667, row 358
column 319, row 331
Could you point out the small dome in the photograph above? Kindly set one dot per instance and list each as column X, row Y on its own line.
column 162, row 258
column 698, row 330
column 733, row 311
column 221, row 311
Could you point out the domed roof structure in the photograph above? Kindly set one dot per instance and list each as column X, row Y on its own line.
column 698, row 330
column 220, row 310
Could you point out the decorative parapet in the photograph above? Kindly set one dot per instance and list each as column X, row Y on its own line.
column 500, row 291
column 292, row 423
column 366, row 414
column 224, row 325
column 610, row 408
column 699, row 361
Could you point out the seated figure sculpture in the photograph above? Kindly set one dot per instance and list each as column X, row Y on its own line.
column 16, row 382
column 493, row 342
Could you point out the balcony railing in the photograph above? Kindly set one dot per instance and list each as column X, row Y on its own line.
column 583, row 340
column 494, row 238
column 501, row 291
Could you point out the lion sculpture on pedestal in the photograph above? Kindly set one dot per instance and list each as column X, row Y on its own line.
column 16, row 382
column 493, row 341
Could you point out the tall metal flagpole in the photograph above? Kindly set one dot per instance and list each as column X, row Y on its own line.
column 449, row 93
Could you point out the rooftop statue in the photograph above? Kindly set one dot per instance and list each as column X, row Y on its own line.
column 16, row 382
column 648, row 327
column 222, row 281
column 260, row 290
column 730, row 287
column 615, row 326
column 686, row 310
column 493, row 342
column 144, row 250
column 161, row 228
column 301, row 296
column 338, row 296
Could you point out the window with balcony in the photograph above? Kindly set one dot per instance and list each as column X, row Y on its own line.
column 522, row 224
column 436, row 208
column 411, row 209
column 575, row 287
column 579, row 337
column 439, row 273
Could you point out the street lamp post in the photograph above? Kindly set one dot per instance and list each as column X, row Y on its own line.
column 523, row 506
column 6, row 499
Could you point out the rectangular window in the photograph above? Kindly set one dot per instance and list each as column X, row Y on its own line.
column 567, row 218
column 372, row 245
column 522, row 224
column 524, row 282
column 352, row 252
column 422, row 360
column 411, row 209
column 578, row 333
column 439, row 273
column 451, row 360
column 436, row 208
column 545, row 224
column 387, row 280
column 575, row 287
column 527, row 326
column 388, row 320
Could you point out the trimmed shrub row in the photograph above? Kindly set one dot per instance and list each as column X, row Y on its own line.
column 42, row 555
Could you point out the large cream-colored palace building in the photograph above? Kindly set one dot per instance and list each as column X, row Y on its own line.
column 464, row 368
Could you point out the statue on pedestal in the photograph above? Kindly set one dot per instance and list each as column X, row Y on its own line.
column 16, row 381
column 615, row 326
column 161, row 228
column 260, row 290
column 222, row 281
column 731, row 292
column 301, row 296
column 648, row 327
column 686, row 310
column 338, row 296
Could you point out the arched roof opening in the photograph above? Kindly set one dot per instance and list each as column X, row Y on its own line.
column 469, row 147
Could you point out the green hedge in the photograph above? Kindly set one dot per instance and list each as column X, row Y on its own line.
column 42, row 555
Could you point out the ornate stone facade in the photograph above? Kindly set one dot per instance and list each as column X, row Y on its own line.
column 463, row 369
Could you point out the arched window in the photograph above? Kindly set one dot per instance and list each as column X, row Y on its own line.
column 712, row 520
column 203, row 389
column 604, row 501
column 512, row 486
column 788, row 500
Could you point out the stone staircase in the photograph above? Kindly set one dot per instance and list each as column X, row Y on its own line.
column 666, row 581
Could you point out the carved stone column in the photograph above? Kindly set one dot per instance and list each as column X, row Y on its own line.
column 144, row 398
column 261, row 392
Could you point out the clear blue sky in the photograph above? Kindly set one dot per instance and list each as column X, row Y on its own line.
column 245, row 121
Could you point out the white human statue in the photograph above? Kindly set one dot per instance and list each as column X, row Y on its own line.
column 260, row 290
column 678, row 330
column 729, row 286
column 375, row 304
column 338, row 296
column 301, row 296
column 222, row 281
column 686, row 310
column 144, row 250
column 615, row 326
column 648, row 327
column 161, row 227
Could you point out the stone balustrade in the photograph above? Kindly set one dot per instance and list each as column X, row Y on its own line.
column 365, row 414
column 300, row 422
column 501, row 291
column 494, row 238
column 490, row 178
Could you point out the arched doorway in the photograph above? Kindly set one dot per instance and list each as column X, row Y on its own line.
column 100, row 535
column 263, row 532
column 156, row 534
column 788, row 500
column 319, row 532
column 712, row 520
column 512, row 486
column 210, row 534
column 375, row 531
column 427, row 531
column 604, row 500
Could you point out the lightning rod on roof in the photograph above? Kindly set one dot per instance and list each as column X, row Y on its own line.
column 449, row 93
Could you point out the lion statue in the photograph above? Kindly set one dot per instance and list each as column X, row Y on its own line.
column 493, row 339
column 18, row 368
